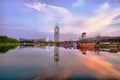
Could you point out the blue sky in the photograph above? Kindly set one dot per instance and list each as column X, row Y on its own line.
column 37, row 18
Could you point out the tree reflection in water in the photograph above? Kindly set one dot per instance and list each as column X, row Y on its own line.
column 5, row 49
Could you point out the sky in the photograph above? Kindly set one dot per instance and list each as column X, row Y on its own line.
column 34, row 19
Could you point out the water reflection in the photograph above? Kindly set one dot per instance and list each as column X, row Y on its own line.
column 94, row 49
column 97, row 50
column 56, row 53
column 36, row 62
column 83, row 50
column 4, row 49
column 111, row 49
column 56, row 49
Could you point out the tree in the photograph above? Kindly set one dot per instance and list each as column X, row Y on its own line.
column 6, row 39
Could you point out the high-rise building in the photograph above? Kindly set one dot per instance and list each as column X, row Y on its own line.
column 56, row 33
column 83, row 35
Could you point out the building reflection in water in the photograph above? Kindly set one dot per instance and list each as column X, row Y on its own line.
column 83, row 50
column 97, row 50
column 91, row 49
column 56, row 53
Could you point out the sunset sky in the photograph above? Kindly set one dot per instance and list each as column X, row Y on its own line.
column 37, row 18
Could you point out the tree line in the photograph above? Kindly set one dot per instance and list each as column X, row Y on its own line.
column 6, row 39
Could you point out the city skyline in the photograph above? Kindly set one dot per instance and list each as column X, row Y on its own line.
column 37, row 18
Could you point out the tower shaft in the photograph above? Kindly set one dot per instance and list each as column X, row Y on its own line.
column 56, row 34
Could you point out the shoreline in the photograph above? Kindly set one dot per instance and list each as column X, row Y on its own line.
column 9, row 44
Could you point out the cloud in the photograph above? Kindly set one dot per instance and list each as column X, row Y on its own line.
column 116, row 20
column 112, row 32
column 55, row 14
column 77, row 3
column 103, row 8
column 102, row 17
column 50, row 12
column 71, row 22
column 102, row 67
column 99, row 21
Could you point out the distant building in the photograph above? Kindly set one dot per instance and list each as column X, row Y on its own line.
column 83, row 36
column 32, row 40
column 24, row 40
column 106, row 39
column 56, row 34
column 39, row 40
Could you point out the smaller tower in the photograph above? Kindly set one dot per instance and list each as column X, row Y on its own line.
column 83, row 35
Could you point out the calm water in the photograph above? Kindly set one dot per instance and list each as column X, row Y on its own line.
column 58, row 63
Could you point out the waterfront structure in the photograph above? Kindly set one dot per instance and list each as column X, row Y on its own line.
column 56, row 34
column 83, row 36
column 32, row 40
column 103, row 39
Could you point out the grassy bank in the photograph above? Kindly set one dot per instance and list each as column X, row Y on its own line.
column 9, row 44
column 107, row 45
column 102, row 45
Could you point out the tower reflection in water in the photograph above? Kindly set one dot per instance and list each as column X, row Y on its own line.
column 56, row 54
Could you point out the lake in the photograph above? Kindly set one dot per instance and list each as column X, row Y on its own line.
column 58, row 63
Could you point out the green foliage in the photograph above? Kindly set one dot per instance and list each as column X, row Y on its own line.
column 118, row 39
column 6, row 39
column 6, row 48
